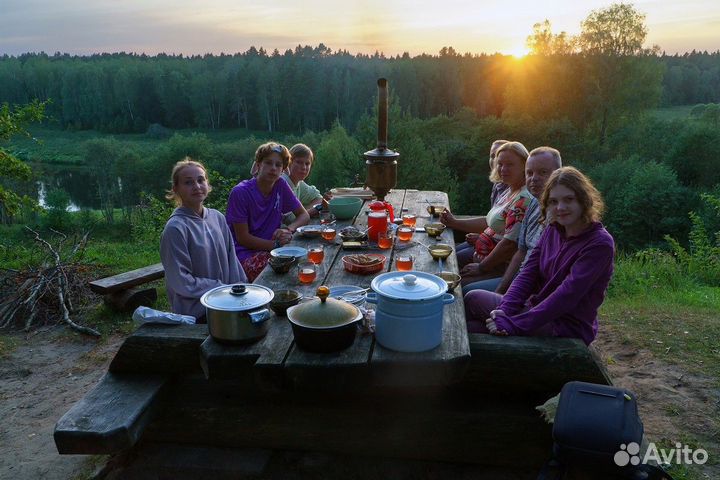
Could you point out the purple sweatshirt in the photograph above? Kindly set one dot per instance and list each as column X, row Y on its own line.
column 263, row 214
column 562, row 284
column 198, row 255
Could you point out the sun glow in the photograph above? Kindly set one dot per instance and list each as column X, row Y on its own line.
column 519, row 52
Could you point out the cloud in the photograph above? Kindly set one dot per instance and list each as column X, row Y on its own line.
column 416, row 26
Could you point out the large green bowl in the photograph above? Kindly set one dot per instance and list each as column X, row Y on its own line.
column 345, row 208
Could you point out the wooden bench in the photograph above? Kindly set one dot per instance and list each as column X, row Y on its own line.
column 112, row 417
column 120, row 292
column 493, row 404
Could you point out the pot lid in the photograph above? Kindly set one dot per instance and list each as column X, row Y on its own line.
column 409, row 285
column 237, row 298
column 324, row 312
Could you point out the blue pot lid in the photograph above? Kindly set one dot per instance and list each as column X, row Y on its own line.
column 409, row 285
column 237, row 298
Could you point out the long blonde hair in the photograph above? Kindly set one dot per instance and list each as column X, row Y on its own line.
column 175, row 178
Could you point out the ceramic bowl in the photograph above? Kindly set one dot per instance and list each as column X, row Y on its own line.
column 452, row 279
column 440, row 251
column 283, row 300
column 345, row 208
column 354, row 267
column 434, row 229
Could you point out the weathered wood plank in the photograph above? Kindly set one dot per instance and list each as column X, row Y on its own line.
column 128, row 300
column 161, row 349
column 345, row 369
column 110, row 418
column 224, row 361
column 126, row 280
column 446, row 363
column 530, row 364
column 419, row 425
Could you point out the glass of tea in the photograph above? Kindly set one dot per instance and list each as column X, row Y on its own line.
column 385, row 240
column 404, row 262
column 316, row 253
column 307, row 271
column 328, row 233
column 405, row 233
column 409, row 219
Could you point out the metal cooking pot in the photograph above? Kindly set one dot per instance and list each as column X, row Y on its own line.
column 409, row 316
column 325, row 324
column 237, row 313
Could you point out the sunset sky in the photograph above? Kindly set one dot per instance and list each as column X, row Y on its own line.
column 390, row 26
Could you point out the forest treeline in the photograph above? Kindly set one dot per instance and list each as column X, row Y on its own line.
column 588, row 95
column 311, row 87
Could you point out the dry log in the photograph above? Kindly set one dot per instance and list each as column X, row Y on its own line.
column 44, row 290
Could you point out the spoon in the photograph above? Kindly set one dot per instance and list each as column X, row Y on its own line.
column 420, row 243
column 352, row 294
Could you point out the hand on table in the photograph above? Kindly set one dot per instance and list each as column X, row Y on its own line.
column 282, row 235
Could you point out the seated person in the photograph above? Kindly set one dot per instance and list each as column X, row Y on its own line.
column 301, row 161
column 541, row 162
column 196, row 247
column 562, row 285
column 497, row 243
column 498, row 186
column 256, row 208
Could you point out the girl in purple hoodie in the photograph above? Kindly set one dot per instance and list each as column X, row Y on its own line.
column 196, row 247
column 563, row 283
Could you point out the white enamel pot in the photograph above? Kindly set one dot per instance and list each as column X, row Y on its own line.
column 410, row 305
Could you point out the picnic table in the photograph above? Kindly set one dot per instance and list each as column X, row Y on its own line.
column 471, row 399
column 366, row 363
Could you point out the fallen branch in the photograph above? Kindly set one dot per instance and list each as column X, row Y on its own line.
column 47, row 290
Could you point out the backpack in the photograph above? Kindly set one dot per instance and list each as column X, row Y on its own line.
column 597, row 428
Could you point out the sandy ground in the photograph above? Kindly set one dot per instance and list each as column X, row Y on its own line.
column 49, row 371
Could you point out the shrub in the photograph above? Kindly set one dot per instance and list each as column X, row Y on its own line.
column 701, row 259
column 644, row 201
column 57, row 216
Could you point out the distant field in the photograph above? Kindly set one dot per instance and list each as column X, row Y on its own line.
column 64, row 147
column 672, row 113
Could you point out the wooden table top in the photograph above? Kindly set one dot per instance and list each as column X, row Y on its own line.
column 275, row 359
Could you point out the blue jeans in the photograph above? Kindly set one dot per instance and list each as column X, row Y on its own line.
column 489, row 284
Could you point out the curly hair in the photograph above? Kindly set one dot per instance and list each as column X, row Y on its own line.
column 587, row 195
column 267, row 149
column 175, row 178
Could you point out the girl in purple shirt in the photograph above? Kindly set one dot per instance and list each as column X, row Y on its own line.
column 563, row 283
column 256, row 208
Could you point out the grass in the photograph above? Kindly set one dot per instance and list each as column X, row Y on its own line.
column 7, row 345
column 657, row 306
column 63, row 147
column 680, row 471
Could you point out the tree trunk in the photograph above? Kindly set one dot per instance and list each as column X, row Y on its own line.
column 603, row 126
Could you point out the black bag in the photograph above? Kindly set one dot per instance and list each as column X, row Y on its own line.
column 593, row 424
